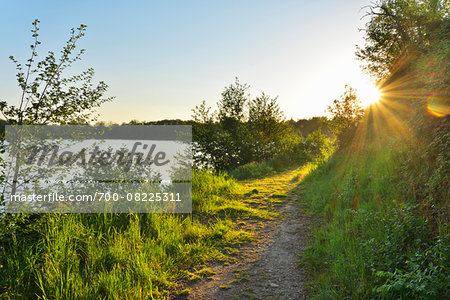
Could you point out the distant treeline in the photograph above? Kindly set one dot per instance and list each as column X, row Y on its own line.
column 302, row 127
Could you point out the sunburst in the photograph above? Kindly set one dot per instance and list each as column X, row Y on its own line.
column 369, row 95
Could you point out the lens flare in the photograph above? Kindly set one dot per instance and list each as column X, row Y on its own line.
column 438, row 106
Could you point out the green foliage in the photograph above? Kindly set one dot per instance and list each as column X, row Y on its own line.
column 232, row 104
column 397, row 30
column 266, row 129
column 218, row 188
column 48, row 97
column 386, row 196
column 374, row 246
column 304, row 127
column 426, row 276
column 317, row 147
column 408, row 48
column 345, row 114
column 243, row 130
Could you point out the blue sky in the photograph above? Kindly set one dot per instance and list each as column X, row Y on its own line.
column 161, row 58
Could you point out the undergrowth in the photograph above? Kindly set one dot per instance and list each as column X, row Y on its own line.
column 377, row 242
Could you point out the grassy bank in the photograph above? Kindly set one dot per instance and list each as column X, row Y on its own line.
column 122, row 256
column 379, row 241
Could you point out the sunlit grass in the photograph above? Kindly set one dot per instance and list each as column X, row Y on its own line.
column 136, row 256
column 373, row 243
column 126, row 256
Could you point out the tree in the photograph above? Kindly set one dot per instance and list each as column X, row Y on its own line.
column 48, row 97
column 231, row 117
column 268, row 131
column 232, row 104
column 397, row 31
column 242, row 131
column 345, row 114
column 407, row 50
column 213, row 142
column 204, row 141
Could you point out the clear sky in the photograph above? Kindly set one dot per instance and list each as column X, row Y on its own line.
column 161, row 58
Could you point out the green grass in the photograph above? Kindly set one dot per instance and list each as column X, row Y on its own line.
column 375, row 243
column 315, row 148
column 253, row 170
column 225, row 287
column 125, row 256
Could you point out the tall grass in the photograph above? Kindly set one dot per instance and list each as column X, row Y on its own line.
column 121, row 256
column 376, row 244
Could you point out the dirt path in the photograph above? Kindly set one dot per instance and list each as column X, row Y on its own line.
column 267, row 267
